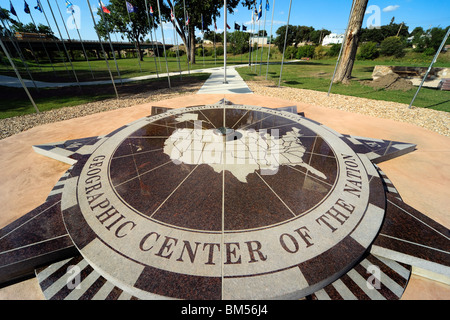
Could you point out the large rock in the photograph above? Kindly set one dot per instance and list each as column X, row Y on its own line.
column 410, row 72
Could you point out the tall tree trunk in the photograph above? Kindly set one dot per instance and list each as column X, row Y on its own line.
column 350, row 44
column 192, row 44
column 138, row 47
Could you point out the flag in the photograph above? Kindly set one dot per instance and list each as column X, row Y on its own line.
column 187, row 19
column 267, row 5
column 104, row 8
column 69, row 6
column 130, row 7
column 259, row 11
column 26, row 8
column 38, row 7
column 13, row 11
column 202, row 23
column 237, row 27
column 228, row 27
column 151, row 11
column 215, row 25
column 244, row 28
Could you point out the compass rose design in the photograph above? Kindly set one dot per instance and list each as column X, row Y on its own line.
column 223, row 201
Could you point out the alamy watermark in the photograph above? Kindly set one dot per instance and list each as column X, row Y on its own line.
column 74, row 19
column 74, row 277
column 374, row 281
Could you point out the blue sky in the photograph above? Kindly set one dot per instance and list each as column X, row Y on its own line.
column 328, row 14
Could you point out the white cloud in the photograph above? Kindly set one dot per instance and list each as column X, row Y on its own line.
column 391, row 8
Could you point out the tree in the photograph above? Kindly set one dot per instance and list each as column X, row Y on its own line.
column 279, row 40
column 392, row 46
column 317, row 36
column 350, row 45
column 239, row 41
column 196, row 10
column 368, row 51
column 119, row 21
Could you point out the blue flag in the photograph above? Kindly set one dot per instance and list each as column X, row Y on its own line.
column 130, row 7
column 38, row 7
column 69, row 6
column 11, row 9
column 259, row 11
column 267, row 5
column 26, row 7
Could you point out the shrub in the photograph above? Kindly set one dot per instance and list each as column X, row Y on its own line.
column 392, row 46
column 219, row 51
column 429, row 52
column 334, row 50
column 305, row 52
column 368, row 51
column 199, row 52
column 319, row 52
column 171, row 54
column 290, row 52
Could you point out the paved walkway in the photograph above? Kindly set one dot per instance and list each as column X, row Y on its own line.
column 213, row 85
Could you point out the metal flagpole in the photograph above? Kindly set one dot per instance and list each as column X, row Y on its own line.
column 203, row 41
column 53, row 38
column 110, row 43
column 262, row 43
column 257, row 39
column 429, row 68
column 137, row 49
column 157, row 48
column 215, row 52
column 225, row 42
column 18, row 75
column 62, row 19
column 249, row 44
column 103, row 49
column 31, row 49
column 253, row 36
column 46, row 52
column 270, row 41
column 164, row 43
column 340, row 51
column 174, row 21
column 19, row 52
column 64, row 44
column 186, row 37
column 82, row 45
column 285, row 39
column 151, row 37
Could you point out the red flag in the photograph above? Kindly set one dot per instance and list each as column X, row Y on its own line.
column 228, row 27
column 104, row 8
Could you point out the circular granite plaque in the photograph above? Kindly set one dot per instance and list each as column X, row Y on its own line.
column 223, row 202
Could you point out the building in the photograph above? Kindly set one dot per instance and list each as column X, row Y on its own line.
column 333, row 38
column 259, row 40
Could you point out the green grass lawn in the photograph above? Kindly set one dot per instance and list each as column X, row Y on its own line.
column 14, row 101
column 128, row 68
column 313, row 75
column 317, row 74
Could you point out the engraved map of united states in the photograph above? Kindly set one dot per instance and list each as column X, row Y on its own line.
column 241, row 152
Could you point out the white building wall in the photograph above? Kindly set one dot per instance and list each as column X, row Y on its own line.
column 333, row 38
